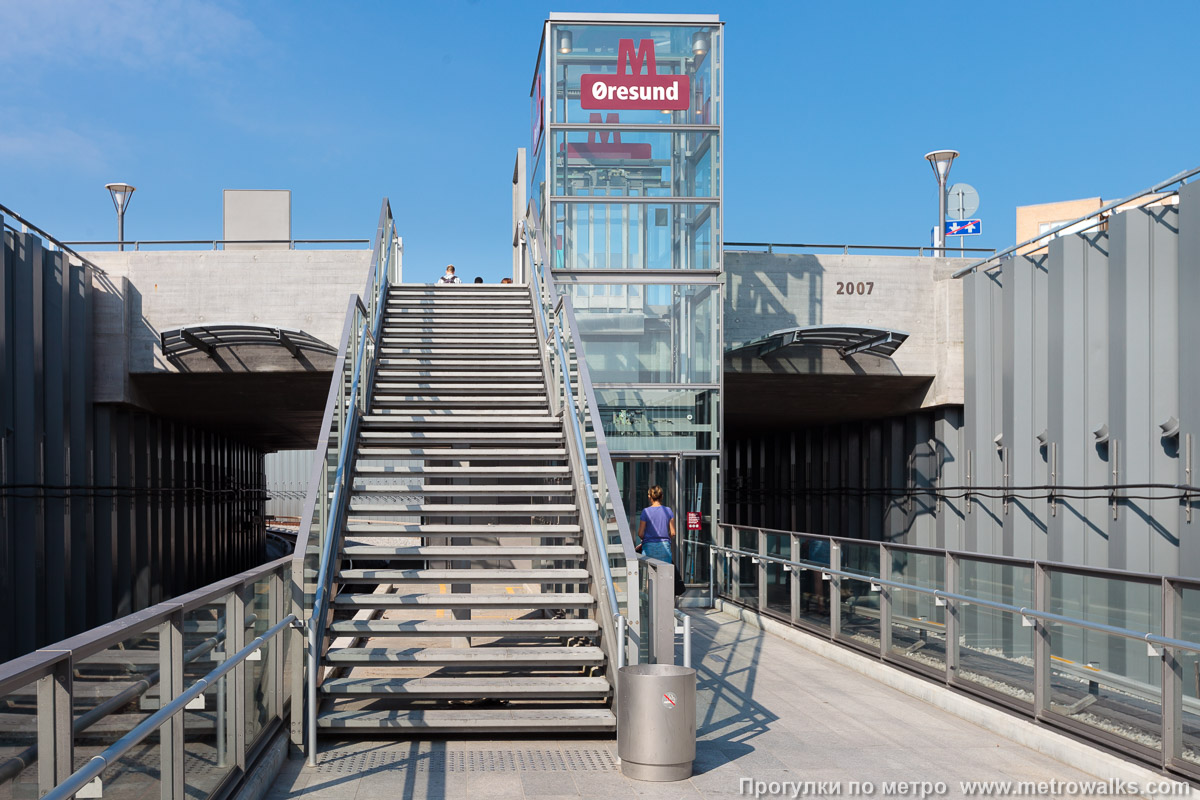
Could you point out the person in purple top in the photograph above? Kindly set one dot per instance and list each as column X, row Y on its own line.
column 657, row 527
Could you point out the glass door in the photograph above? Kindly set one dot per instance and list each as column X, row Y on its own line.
column 636, row 475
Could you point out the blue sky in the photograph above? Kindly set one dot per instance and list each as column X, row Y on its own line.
column 830, row 107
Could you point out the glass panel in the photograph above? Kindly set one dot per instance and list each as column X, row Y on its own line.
column 1107, row 682
column 18, row 736
column 779, row 584
column 615, row 235
column 605, row 496
column 859, row 602
column 1189, row 663
column 259, row 700
column 685, row 51
column 111, row 699
column 995, row 647
column 814, row 588
column 606, row 163
column 648, row 334
column 698, row 487
column 659, row 420
column 746, row 569
column 207, row 720
column 918, row 622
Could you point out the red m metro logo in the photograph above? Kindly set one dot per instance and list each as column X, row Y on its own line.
column 631, row 89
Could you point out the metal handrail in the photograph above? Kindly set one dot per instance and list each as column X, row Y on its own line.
column 1025, row 611
column 605, row 457
column 21, row 672
column 598, row 528
column 1099, row 572
column 348, row 408
column 1099, row 214
column 101, row 762
column 544, row 286
column 324, row 574
column 8, row 212
column 585, row 379
column 846, row 248
column 291, row 243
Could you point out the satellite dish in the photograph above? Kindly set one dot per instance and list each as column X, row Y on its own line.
column 962, row 201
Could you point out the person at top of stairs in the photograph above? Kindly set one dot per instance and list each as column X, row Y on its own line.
column 449, row 277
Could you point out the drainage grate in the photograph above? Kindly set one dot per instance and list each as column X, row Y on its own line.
column 422, row 759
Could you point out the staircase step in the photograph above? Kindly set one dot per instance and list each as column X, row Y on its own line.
column 464, row 509
column 474, row 656
column 499, row 360
column 465, row 402
column 543, row 600
column 437, row 387
column 462, row 472
column 446, row 420
column 521, row 490
column 532, row 687
column 484, row 354
column 453, row 436
column 391, row 346
column 400, row 310
column 465, row 341
column 401, row 304
column 470, row 627
column 481, row 720
column 419, row 414
column 360, row 528
column 464, row 552
column 463, row 576
column 478, row 325
column 448, row 453
column 454, row 376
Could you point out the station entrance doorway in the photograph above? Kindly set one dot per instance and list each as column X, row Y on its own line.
column 688, row 483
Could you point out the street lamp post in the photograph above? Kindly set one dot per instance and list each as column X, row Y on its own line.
column 121, row 194
column 941, row 160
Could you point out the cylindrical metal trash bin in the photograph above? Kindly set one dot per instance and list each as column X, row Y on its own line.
column 656, row 721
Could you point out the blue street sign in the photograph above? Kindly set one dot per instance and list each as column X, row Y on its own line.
column 964, row 227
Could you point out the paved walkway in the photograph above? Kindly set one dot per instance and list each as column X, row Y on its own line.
column 767, row 711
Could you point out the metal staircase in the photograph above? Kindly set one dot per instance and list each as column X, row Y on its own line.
column 463, row 565
column 463, row 535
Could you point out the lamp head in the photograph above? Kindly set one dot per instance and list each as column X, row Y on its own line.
column 121, row 194
column 941, row 160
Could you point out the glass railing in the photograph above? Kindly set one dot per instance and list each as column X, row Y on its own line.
column 1108, row 655
column 319, row 542
column 176, row 700
column 604, row 521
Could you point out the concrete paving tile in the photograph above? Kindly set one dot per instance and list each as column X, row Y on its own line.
column 549, row 783
column 675, row 790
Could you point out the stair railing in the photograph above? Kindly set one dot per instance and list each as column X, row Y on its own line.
column 607, row 538
column 322, row 526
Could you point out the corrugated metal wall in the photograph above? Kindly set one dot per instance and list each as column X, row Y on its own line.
column 1089, row 337
column 287, row 475
column 875, row 479
column 104, row 510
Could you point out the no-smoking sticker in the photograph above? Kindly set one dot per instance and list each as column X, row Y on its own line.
column 669, row 700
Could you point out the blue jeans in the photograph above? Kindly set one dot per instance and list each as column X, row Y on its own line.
column 658, row 549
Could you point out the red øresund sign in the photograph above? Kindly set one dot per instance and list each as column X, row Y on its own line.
column 630, row 89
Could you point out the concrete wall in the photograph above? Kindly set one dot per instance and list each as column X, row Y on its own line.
column 890, row 479
column 139, row 294
column 769, row 291
column 1095, row 332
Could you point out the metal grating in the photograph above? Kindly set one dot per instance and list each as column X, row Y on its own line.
column 580, row 759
